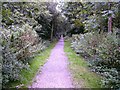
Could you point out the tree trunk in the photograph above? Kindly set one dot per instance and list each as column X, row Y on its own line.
column 109, row 19
column 110, row 24
column 52, row 32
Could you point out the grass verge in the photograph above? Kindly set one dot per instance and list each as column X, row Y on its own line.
column 81, row 75
column 36, row 63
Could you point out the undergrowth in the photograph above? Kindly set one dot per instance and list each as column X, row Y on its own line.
column 82, row 76
column 35, row 64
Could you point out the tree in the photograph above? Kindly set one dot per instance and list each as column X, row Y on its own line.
column 53, row 11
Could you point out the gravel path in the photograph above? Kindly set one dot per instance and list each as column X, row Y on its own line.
column 55, row 73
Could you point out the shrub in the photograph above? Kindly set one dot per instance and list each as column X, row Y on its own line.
column 86, row 44
column 103, row 53
column 109, row 53
column 18, row 46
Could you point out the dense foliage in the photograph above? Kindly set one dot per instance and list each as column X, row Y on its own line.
column 17, row 49
column 102, row 52
column 19, row 39
column 28, row 27
column 99, row 44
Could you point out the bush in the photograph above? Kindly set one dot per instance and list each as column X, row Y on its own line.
column 109, row 53
column 103, row 53
column 86, row 44
column 18, row 46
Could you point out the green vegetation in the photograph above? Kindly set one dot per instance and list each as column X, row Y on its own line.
column 102, row 53
column 37, row 62
column 99, row 44
column 94, row 29
column 81, row 74
column 25, row 29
